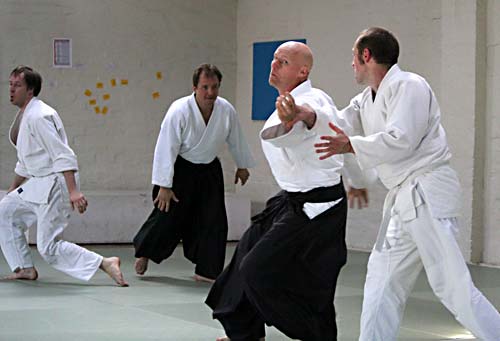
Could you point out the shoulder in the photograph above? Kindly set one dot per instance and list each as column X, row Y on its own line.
column 362, row 98
column 39, row 110
column 315, row 96
column 179, row 108
column 180, row 104
column 404, row 81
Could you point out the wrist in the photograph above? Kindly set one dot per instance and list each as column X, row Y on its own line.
column 350, row 149
column 310, row 119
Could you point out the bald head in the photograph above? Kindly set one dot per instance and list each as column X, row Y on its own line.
column 291, row 65
column 301, row 51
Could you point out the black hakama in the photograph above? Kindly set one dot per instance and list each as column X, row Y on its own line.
column 198, row 219
column 284, row 270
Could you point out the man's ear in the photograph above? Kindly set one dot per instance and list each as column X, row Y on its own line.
column 304, row 72
column 367, row 55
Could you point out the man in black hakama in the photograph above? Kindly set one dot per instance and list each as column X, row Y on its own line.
column 199, row 220
column 285, row 268
column 188, row 192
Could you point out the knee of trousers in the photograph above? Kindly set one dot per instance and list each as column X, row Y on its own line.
column 254, row 271
column 7, row 209
column 47, row 250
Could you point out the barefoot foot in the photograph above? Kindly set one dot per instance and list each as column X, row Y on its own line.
column 141, row 265
column 29, row 274
column 111, row 266
column 199, row 278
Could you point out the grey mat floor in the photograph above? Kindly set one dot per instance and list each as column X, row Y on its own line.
column 167, row 305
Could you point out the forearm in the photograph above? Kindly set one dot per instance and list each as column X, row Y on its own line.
column 69, row 177
column 307, row 115
column 18, row 180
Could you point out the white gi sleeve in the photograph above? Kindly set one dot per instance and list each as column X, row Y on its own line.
column 237, row 143
column 276, row 134
column 167, row 149
column 21, row 170
column 407, row 122
column 348, row 119
column 49, row 133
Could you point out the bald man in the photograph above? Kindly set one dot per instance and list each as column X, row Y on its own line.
column 285, row 268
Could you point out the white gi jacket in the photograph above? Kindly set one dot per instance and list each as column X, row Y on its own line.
column 42, row 149
column 400, row 135
column 184, row 132
column 294, row 164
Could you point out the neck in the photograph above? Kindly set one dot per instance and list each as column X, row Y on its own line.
column 289, row 88
column 378, row 75
column 206, row 112
column 23, row 107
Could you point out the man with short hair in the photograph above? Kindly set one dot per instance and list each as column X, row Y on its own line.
column 188, row 183
column 44, row 190
column 285, row 268
column 394, row 126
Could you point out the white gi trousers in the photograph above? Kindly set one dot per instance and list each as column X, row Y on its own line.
column 410, row 245
column 18, row 214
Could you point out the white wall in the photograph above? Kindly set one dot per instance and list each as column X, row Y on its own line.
column 453, row 43
column 492, row 170
column 122, row 39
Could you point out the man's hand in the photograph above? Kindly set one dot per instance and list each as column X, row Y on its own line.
column 162, row 201
column 78, row 201
column 359, row 195
column 337, row 144
column 289, row 113
column 242, row 174
column 285, row 105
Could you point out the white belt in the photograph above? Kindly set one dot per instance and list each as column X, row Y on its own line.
column 411, row 199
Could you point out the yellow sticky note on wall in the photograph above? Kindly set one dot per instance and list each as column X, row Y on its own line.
column 104, row 110
column 99, row 85
column 105, row 97
column 92, row 102
column 97, row 110
column 124, row 82
column 159, row 75
column 156, row 95
column 88, row 93
column 113, row 82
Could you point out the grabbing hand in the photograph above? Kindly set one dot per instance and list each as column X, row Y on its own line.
column 287, row 112
column 336, row 144
column 162, row 201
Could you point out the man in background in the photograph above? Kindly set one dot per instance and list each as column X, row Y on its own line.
column 188, row 182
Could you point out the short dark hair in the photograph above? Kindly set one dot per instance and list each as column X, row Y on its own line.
column 381, row 43
column 32, row 78
column 209, row 70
